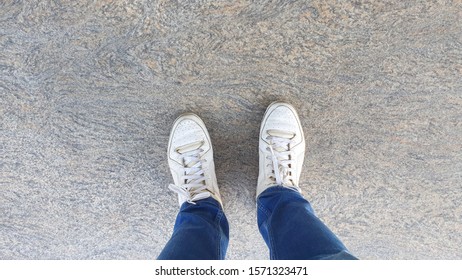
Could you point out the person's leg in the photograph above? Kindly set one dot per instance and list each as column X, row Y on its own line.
column 201, row 232
column 285, row 219
column 291, row 229
column 201, row 229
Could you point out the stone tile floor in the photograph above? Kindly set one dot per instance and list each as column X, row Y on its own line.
column 89, row 90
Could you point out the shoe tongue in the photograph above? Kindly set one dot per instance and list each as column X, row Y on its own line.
column 189, row 147
column 281, row 133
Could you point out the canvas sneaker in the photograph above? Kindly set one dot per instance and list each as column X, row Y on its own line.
column 281, row 148
column 190, row 158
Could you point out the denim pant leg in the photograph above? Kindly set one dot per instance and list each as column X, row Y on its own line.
column 201, row 232
column 291, row 229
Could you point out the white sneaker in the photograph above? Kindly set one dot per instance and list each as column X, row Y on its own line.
column 282, row 148
column 190, row 158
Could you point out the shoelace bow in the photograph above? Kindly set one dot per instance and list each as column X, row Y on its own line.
column 194, row 187
column 281, row 158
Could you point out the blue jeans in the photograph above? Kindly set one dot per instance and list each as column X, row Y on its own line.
column 285, row 220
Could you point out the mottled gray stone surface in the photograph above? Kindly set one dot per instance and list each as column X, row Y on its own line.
column 89, row 90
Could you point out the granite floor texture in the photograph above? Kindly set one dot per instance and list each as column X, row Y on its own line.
column 90, row 89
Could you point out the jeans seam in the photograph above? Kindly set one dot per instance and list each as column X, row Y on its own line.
column 217, row 224
column 262, row 207
column 274, row 253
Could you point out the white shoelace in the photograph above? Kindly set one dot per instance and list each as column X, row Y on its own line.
column 281, row 158
column 194, row 187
